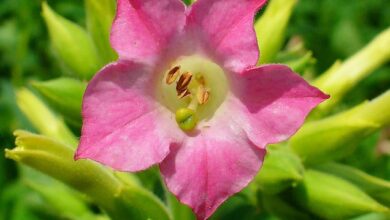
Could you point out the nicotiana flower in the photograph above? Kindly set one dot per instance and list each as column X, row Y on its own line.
column 185, row 94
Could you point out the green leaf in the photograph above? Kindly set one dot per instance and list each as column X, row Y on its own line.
column 331, row 197
column 138, row 203
column 62, row 200
column 65, row 95
column 179, row 210
column 72, row 43
column 373, row 216
column 278, row 206
column 17, row 202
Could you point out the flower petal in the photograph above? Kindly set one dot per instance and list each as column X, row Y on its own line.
column 211, row 166
column 123, row 126
column 226, row 29
column 143, row 28
column 272, row 103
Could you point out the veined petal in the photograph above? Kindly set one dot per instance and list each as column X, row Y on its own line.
column 272, row 103
column 123, row 125
column 143, row 28
column 211, row 166
column 225, row 29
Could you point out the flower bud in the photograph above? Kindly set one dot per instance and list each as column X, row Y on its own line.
column 339, row 81
column 43, row 119
column 55, row 159
column 330, row 197
column 100, row 15
column 342, row 131
column 270, row 28
column 65, row 95
column 72, row 43
column 375, row 187
column 281, row 170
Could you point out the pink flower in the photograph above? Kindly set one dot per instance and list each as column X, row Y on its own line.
column 197, row 65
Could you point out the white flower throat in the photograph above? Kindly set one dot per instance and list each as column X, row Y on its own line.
column 193, row 88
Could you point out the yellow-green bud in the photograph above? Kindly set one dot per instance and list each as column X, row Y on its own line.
column 119, row 200
column 186, row 119
column 271, row 28
column 331, row 197
column 43, row 118
column 72, row 44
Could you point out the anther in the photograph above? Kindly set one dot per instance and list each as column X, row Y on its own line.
column 172, row 75
column 202, row 95
column 183, row 83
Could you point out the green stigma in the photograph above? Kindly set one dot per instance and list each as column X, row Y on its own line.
column 186, row 119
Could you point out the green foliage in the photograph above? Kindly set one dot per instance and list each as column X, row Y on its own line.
column 72, row 43
column 320, row 33
column 56, row 159
column 375, row 187
column 43, row 119
column 282, row 169
column 271, row 27
column 330, row 197
column 341, row 131
column 65, row 95
column 99, row 26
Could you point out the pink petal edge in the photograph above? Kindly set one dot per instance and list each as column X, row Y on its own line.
column 225, row 31
column 273, row 102
column 123, row 126
column 142, row 29
column 211, row 166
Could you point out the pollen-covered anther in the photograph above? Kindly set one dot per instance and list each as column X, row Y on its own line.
column 172, row 75
column 183, row 83
column 202, row 95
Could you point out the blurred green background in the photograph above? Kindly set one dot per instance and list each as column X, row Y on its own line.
column 332, row 29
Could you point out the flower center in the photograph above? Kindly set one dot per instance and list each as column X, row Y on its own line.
column 193, row 88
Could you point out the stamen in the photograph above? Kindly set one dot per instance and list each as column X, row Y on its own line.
column 184, row 94
column 202, row 95
column 193, row 104
column 172, row 75
column 183, row 82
